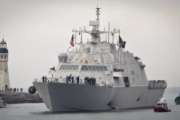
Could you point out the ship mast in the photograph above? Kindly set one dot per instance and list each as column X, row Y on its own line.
column 97, row 15
column 95, row 32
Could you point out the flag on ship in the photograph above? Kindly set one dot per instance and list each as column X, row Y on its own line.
column 72, row 41
column 124, row 44
column 121, row 42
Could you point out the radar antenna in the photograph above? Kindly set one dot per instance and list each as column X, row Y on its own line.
column 97, row 10
column 97, row 13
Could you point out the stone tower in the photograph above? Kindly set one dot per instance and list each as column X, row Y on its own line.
column 4, row 74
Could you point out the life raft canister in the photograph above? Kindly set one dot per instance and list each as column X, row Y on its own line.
column 32, row 90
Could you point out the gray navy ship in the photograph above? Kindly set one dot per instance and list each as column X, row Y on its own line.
column 98, row 75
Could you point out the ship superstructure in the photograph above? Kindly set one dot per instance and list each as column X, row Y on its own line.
column 98, row 75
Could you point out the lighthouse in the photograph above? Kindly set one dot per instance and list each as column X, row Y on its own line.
column 4, row 74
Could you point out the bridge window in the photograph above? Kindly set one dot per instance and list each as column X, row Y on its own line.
column 93, row 68
column 69, row 67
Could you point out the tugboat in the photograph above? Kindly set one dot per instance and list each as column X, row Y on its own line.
column 177, row 100
column 161, row 106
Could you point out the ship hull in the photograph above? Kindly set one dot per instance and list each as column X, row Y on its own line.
column 136, row 97
column 73, row 97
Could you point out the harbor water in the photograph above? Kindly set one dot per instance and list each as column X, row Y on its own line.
column 38, row 111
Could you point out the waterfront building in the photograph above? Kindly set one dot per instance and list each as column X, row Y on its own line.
column 4, row 74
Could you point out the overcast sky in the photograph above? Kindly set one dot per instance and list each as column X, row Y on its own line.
column 38, row 30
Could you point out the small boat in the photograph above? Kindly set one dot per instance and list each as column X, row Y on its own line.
column 177, row 100
column 161, row 106
column 2, row 103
